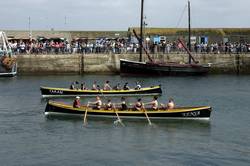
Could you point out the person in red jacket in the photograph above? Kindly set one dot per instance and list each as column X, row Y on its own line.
column 76, row 103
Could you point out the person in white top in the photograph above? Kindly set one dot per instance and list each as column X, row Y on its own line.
column 97, row 104
column 107, row 86
column 170, row 104
column 138, row 86
column 154, row 104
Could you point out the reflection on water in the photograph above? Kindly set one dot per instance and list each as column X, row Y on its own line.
column 170, row 125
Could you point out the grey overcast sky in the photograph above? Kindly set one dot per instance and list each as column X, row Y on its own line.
column 121, row 14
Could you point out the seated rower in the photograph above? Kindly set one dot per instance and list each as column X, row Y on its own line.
column 83, row 87
column 154, row 104
column 123, row 104
column 76, row 85
column 72, row 86
column 138, row 86
column 126, row 87
column 96, row 104
column 109, row 105
column 94, row 86
column 98, row 87
column 107, row 86
column 117, row 87
column 76, row 103
column 138, row 105
column 170, row 104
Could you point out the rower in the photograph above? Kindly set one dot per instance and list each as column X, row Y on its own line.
column 97, row 104
column 126, row 87
column 138, row 86
column 123, row 104
column 83, row 87
column 94, row 86
column 109, row 105
column 138, row 105
column 107, row 86
column 170, row 104
column 72, row 86
column 154, row 104
column 117, row 87
column 76, row 103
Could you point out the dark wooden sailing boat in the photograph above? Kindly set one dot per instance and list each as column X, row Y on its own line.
column 155, row 68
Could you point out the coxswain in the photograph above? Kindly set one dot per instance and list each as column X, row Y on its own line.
column 76, row 103
column 97, row 104
column 107, row 86
column 138, row 105
column 154, row 104
column 126, row 87
column 109, row 105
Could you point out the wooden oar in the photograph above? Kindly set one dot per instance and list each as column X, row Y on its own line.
column 85, row 115
column 145, row 112
column 118, row 118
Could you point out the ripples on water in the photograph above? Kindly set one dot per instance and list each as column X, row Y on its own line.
column 27, row 137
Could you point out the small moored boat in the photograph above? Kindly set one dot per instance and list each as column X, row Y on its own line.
column 64, row 92
column 202, row 112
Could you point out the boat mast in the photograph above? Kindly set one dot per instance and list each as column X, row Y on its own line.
column 141, row 30
column 189, row 31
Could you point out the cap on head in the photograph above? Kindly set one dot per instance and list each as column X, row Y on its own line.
column 77, row 97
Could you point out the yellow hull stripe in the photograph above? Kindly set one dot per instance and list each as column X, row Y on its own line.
column 130, row 111
column 102, row 91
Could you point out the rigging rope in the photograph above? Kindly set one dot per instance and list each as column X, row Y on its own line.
column 181, row 17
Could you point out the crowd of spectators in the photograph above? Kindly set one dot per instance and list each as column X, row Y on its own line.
column 118, row 46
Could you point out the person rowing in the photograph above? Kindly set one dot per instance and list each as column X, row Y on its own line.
column 123, row 104
column 72, row 86
column 83, row 86
column 169, row 105
column 107, row 86
column 76, row 103
column 138, row 105
column 96, row 104
column 138, row 86
column 154, row 103
column 109, row 105
column 94, row 86
column 126, row 87
column 117, row 87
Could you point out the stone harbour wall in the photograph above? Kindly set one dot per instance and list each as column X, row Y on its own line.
column 109, row 63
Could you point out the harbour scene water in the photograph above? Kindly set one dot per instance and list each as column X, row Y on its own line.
column 185, row 95
column 28, row 137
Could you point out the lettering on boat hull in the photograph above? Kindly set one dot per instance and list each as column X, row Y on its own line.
column 191, row 114
column 56, row 91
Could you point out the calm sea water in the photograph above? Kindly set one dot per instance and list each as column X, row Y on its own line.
column 27, row 137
